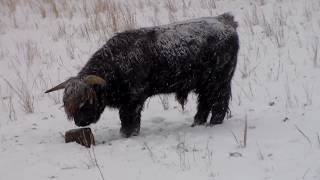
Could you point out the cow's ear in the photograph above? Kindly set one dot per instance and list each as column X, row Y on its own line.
column 94, row 80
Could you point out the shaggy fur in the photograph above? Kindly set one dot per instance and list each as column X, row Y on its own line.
column 198, row 55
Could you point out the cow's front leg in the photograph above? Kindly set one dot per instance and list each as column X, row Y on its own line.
column 130, row 115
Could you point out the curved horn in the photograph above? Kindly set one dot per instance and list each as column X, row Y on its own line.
column 94, row 80
column 58, row 87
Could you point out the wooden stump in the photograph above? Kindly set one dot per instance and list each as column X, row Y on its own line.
column 81, row 136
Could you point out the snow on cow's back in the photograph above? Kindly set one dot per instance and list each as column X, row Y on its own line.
column 175, row 34
column 196, row 30
column 223, row 22
column 222, row 26
column 186, row 38
column 171, row 41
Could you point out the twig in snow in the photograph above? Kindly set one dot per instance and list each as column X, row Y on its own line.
column 261, row 156
column 193, row 152
column 93, row 159
column 305, row 173
column 304, row 135
column 209, row 152
column 96, row 162
column 62, row 135
column 150, row 152
column 235, row 138
column 318, row 138
column 245, row 134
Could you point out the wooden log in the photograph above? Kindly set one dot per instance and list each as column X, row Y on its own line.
column 81, row 136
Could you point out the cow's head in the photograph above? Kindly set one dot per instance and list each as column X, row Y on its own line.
column 81, row 100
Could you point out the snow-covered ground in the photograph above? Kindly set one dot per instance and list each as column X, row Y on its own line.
column 275, row 90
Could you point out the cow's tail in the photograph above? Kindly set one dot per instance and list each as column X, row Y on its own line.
column 228, row 19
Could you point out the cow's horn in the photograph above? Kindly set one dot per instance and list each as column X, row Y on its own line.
column 94, row 80
column 58, row 87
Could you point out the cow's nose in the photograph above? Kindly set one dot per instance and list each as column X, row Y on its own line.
column 82, row 123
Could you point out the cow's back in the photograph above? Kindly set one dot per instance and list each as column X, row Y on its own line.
column 168, row 58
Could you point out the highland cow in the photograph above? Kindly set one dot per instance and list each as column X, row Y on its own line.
column 198, row 55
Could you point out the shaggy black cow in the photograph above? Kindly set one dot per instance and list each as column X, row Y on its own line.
column 197, row 55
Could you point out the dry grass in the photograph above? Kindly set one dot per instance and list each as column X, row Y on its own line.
column 307, row 13
column 42, row 10
column 279, row 24
column 152, row 155
column 245, row 133
column 164, row 100
column 185, row 7
column 318, row 138
column 236, row 139
column 279, row 37
column 267, row 27
column 54, row 8
column 70, row 48
column 303, row 134
column 315, row 46
column 113, row 14
column 30, row 52
column 291, row 100
column 261, row 2
column 208, row 4
column 308, row 94
column 129, row 18
column 155, row 19
column 242, row 142
column 9, row 105
column 171, row 7
column 94, row 161
column 182, row 151
column 101, row 6
column 10, row 4
column 249, row 24
column 24, row 94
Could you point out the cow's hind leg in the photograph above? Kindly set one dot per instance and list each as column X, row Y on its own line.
column 220, row 106
column 130, row 116
column 222, row 91
column 203, row 109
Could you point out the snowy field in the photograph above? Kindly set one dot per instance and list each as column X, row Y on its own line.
column 273, row 132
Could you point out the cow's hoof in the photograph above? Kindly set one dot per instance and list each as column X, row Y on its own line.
column 213, row 123
column 197, row 124
column 129, row 132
